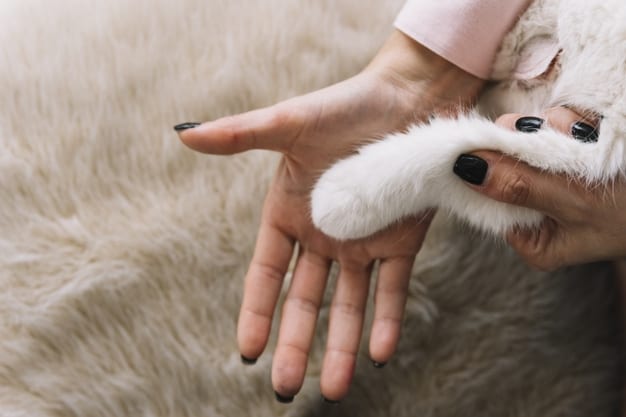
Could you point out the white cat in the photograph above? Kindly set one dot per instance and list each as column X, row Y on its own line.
column 409, row 172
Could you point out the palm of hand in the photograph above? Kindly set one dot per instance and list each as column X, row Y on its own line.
column 312, row 132
column 324, row 133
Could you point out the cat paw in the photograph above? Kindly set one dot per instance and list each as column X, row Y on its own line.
column 340, row 206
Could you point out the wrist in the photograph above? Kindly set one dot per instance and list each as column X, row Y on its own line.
column 416, row 69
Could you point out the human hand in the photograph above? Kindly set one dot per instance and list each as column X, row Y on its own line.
column 405, row 82
column 583, row 223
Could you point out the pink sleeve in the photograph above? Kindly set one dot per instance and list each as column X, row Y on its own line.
column 466, row 33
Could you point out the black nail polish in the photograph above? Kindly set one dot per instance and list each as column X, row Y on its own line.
column 529, row 124
column 471, row 168
column 185, row 126
column 248, row 361
column 584, row 132
column 331, row 402
column 282, row 399
column 379, row 364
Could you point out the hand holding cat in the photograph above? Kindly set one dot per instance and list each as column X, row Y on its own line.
column 582, row 224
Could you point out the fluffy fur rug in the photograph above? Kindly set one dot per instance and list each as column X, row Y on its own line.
column 122, row 253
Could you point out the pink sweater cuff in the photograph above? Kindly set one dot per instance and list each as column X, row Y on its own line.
column 467, row 33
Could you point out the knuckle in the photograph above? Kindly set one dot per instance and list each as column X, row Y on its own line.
column 515, row 189
column 536, row 248
column 389, row 320
column 534, row 255
column 239, row 136
column 342, row 351
column 256, row 313
column 268, row 271
column 292, row 348
column 280, row 115
column 356, row 260
column 508, row 120
column 348, row 309
column 303, row 304
column 234, row 135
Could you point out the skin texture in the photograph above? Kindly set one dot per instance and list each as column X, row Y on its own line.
column 404, row 83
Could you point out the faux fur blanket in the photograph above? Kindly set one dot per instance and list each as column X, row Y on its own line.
column 122, row 253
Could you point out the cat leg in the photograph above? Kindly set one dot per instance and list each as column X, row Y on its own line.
column 407, row 173
column 369, row 191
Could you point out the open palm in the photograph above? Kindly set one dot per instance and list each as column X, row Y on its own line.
column 312, row 132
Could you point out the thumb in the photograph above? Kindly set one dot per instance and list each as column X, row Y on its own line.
column 508, row 180
column 272, row 128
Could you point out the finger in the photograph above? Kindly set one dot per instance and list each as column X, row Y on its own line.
column 539, row 247
column 272, row 128
column 553, row 245
column 297, row 327
column 390, row 299
column 511, row 181
column 261, row 290
column 344, row 331
column 581, row 125
column 508, row 120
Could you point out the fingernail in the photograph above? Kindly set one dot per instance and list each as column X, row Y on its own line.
column 471, row 168
column 282, row 399
column 248, row 361
column 379, row 364
column 584, row 132
column 331, row 402
column 186, row 125
column 528, row 124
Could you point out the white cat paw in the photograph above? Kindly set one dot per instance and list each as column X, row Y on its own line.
column 340, row 206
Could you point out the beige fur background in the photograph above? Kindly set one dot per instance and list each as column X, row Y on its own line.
column 122, row 253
